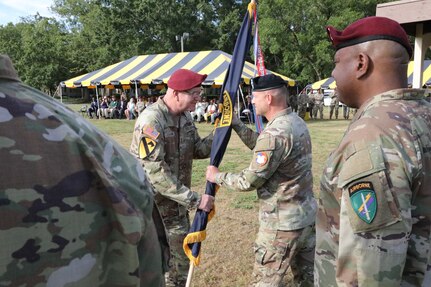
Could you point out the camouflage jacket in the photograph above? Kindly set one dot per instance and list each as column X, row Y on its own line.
column 303, row 99
column 334, row 100
column 76, row 208
column 280, row 171
column 318, row 99
column 166, row 146
column 374, row 217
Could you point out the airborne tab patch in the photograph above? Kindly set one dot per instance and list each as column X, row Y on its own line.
column 151, row 132
column 146, row 146
column 363, row 200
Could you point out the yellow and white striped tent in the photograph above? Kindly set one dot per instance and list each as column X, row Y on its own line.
column 157, row 68
column 329, row 83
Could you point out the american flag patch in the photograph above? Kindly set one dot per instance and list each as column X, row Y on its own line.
column 150, row 132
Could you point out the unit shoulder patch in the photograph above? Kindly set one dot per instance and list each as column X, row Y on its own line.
column 146, row 146
column 261, row 158
column 364, row 201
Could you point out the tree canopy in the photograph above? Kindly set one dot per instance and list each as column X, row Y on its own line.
column 91, row 34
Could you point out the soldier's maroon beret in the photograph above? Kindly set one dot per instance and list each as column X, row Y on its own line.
column 369, row 29
column 183, row 80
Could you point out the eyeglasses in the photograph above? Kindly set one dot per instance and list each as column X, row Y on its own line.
column 194, row 94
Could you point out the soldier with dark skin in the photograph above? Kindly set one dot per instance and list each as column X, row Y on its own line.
column 373, row 225
column 166, row 141
column 281, row 172
column 76, row 208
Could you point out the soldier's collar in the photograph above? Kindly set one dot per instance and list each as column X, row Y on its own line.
column 281, row 113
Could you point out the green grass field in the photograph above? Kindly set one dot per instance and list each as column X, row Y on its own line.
column 227, row 254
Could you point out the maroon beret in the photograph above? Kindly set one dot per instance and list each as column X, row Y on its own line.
column 183, row 80
column 369, row 29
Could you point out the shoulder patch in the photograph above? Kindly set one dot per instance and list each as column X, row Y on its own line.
column 150, row 132
column 364, row 201
column 146, row 146
column 261, row 158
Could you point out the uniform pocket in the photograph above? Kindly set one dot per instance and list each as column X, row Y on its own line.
column 367, row 194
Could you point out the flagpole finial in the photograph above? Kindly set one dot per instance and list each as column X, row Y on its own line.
column 251, row 7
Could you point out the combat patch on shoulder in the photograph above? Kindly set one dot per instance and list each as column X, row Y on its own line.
column 146, row 146
column 261, row 158
column 150, row 132
column 364, row 201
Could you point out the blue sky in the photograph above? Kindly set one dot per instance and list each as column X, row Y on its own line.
column 12, row 10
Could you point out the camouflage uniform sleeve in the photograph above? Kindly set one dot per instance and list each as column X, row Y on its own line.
column 375, row 211
column 203, row 146
column 266, row 158
column 247, row 135
column 159, row 172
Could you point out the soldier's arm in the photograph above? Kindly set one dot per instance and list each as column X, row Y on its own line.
column 266, row 159
column 375, row 215
column 247, row 135
column 203, row 145
column 151, row 152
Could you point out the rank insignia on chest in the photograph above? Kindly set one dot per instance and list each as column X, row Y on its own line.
column 363, row 200
column 146, row 146
column 151, row 132
column 261, row 158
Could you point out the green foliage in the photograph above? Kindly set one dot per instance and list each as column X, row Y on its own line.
column 293, row 34
column 92, row 34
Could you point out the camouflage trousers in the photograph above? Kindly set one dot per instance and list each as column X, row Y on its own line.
column 276, row 250
column 318, row 108
column 177, row 224
column 331, row 111
column 302, row 109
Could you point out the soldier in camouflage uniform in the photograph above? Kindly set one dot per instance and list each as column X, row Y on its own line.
column 335, row 105
column 76, row 208
column 166, row 141
column 302, row 104
column 318, row 104
column 281, row 172
column 374, row 219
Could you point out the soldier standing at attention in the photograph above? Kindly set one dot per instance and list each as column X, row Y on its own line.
column 303, row 101
column 76, row 208
column 318, row 104
column 335, row 102
column 281, row 172
column 374, row 218
column 166, row 141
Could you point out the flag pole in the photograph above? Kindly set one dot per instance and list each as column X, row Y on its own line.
column 197, row 232
column 190, row 275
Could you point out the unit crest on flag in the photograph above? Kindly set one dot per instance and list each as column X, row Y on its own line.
column 363, row 200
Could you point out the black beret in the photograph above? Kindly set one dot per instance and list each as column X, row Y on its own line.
column 267, row 82
column 369, row 29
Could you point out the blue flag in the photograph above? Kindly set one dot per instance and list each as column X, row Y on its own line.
column 192, row 242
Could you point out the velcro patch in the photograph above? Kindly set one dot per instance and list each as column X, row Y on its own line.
column 364, row 201
column 261, row 158
column 150, row 131
column 146, row 146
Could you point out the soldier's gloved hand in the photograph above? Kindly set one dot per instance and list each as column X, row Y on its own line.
column 207, row 202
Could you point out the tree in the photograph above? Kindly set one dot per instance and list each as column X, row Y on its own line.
column 293, row 34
